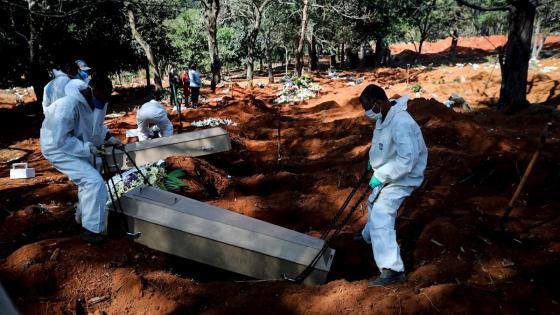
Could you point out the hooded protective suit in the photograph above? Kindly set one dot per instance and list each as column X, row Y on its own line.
column 152, row 113
column 55, row 88
column 67, row 134
column 398, row 157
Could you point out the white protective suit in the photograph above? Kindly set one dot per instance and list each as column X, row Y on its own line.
column 152, row 113
column 55, row 88
column 66, row 134
column 398, row 157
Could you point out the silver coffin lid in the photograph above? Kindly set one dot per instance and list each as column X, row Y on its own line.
column 196, row 143
column 182, row 137
column 194, row 217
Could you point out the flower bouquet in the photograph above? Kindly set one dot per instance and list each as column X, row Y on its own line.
column 297, row 89
column 156, row 174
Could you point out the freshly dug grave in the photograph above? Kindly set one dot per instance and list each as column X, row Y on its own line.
column 293, row 165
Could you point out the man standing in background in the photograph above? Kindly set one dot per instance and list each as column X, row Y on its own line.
column 195, row 83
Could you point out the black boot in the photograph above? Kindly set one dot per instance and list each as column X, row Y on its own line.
column 91, row 237
column 358, row 238
column 387, row 277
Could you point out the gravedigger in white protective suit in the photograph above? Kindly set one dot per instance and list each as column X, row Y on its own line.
column 71, row 133
column 55, row 88
column 152, row 113
column 398, row 158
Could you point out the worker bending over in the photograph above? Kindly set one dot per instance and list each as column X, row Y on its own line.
column 69, row 140
column 398, row 158
column 153, row 114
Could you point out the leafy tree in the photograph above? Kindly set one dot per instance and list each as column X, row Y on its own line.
column 44, row 34
column 547, row 22
column 231, row 40
column 427, row 17
column 188, row 35
column 144, row 20
column 252, row 12
column 514, row 57
column 211, row 12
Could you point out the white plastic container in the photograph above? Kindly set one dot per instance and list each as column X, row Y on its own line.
column 20, row 170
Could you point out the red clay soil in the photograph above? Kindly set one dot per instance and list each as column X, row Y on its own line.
column 293, row 165
column 469, row 50
column 487, row 43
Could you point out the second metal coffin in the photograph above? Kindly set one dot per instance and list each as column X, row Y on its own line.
column 201, row 232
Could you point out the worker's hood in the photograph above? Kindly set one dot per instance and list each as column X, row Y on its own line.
column 74, row 88
column 400, row 106
column 58, row 73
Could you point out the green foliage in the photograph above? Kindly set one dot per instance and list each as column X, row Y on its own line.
column 188, row 35
column 96, row 31
column 416, row 88
column 173, row 181
column 230, row 42
column 491, row 59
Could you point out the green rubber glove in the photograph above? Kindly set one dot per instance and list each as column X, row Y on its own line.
column 368, row 166
column 374, row 182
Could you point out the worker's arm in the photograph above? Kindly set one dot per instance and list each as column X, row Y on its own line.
column 404, row 137
column 46, row 99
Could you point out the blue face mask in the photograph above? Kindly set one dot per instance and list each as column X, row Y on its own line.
column 97, row 103
column 372, row 115
column 83, row 75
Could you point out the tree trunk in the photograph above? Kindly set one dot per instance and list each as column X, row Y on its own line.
column 32, row 32
column 147, row 76
column 313, row 58
column 147, row 50
column 514, row 68
column 250, row 64
column 287, row 59
column 269, row 61
column 379, row 48
column 31, row 74
column 211, row 11
column 454, row 42
column 540, row 44
column 536, row 38
column 251, row 48
column 333, row 60
column 302, row 33
column 420, row 44
column 341, row 55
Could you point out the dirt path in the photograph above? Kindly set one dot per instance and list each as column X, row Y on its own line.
column 455, row 263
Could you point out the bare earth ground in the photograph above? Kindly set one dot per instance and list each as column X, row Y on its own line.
column 455, row 263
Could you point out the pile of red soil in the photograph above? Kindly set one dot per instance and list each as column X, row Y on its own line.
column 487, row 43
column 202, row 179
column 293, row 165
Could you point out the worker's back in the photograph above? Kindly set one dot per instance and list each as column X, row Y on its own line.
column 54, row 89
column 68, row 125
column 152, row 113
column 151, row 110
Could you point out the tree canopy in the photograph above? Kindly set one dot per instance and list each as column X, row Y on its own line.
column 119, row 35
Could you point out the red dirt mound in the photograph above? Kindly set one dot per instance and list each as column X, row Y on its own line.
column 202, row 179
column 294, row 166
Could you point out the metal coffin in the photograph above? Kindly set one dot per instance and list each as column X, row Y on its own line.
column 191, row 229
column 196, row 143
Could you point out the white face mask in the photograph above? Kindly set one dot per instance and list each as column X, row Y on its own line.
column 374, row 116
